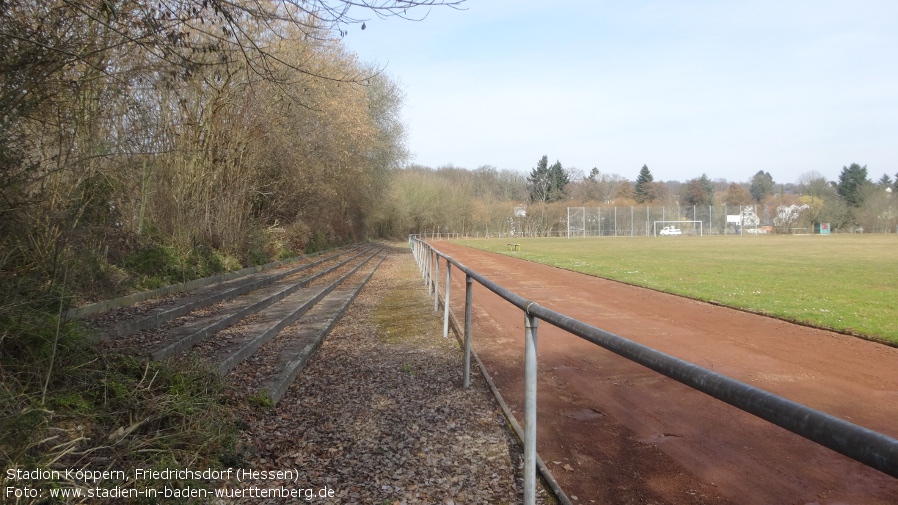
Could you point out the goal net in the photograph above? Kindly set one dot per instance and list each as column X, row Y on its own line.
column 671, row 228
column 576, row 222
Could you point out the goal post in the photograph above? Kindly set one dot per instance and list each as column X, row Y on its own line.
column 677, row 228
column 576, row 222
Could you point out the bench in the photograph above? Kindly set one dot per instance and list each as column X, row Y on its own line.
column 514, row 247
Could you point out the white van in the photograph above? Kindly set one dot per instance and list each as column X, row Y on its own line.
column 670, row 230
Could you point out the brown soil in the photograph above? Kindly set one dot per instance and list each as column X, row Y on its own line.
column 612, row 431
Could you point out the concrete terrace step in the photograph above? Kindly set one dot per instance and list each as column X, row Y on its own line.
column 209, row 295
column 274, row 319
column 236, row 309
column 310, row 332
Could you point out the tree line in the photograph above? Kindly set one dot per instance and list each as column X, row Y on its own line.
column 152, row 142
column 200, row 132
column 482, row 201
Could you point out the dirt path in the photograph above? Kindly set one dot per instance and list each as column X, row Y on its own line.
column 629, row 435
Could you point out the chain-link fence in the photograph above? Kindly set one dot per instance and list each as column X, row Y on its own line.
column 558, row 220
column 687, row 220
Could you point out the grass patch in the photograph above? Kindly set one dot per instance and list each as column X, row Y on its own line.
column 400, row 315
column 843, row 282
column 261, row 399
column 66, row 404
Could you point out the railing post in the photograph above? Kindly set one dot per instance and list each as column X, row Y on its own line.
column 425, row 258
column 530, row 323
column 469, row 284
column 436, row 281
column 446, row 301
column 430, row 272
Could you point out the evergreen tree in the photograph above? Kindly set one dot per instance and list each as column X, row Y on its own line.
column 559, row 180
column 645, row 190
column 762, row 186
column 547, row 183
column 540, row 181
column 852, row 182
column 707, row 186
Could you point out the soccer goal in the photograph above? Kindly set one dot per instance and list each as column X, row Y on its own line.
column 576, row 222
column 666, row 228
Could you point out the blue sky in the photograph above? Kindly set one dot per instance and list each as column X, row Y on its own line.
column 720, row 87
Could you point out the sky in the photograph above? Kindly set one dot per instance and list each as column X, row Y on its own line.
column 717, row 87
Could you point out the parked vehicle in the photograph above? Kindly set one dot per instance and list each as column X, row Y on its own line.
column 671, row 230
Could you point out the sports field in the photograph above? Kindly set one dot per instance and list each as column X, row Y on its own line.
column 844, row 282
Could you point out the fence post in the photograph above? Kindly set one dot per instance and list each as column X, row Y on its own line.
column 530, row 323
column 469, row 284
column 446, row 301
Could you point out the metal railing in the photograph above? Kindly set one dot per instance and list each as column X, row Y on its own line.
column 873, row 449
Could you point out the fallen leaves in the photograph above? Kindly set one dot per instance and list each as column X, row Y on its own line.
column 384, row 419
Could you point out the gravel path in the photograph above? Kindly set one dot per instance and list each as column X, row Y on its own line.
column 379, row 415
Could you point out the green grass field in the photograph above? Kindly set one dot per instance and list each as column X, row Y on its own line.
column 844, row 282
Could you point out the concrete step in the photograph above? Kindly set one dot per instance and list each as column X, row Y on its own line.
column 274, row 319
column 236, row 309
column 310, row 332
column 210, row 295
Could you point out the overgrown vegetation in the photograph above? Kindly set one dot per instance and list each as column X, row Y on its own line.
column 144, row 144
column 64, row 405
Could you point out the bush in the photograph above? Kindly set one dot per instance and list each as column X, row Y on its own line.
column 152, row 261
column 318, row 242
column 157, row 265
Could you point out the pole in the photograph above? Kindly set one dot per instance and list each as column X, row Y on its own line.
column 530, row 323
column 436, row 282
column 425, row 260
column 469, row 306
column 446, row 302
